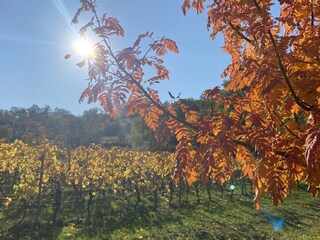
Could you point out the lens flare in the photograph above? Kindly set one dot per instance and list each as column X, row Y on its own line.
column 277, row 223
column 84, row 47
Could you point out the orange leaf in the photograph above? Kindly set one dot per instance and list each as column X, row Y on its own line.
column 171, row 45
column 314, row 191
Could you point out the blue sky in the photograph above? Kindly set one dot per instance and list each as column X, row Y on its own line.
column 36, row 34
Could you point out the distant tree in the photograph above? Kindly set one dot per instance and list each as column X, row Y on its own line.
column 63, row 128
column 141, row 137
column 93, row 126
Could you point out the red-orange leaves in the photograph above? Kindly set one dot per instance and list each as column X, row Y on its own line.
column 112, row 100
column 154, row 95
column 86, row 5
column 256, row 199
column 314, row 191
column 247, row 161
column 113, row 27
column 222, row 170
column 312, row 154
column 140, row 37
column 259, row 183
column 184, row 156
column 276, row 186
column 198, row 4
column 105, row 101
column 162, row 72
column 163, row 131
column 181, row 156
column 191, row 176
column 204, row 157
column 86, row 93
column 182, row 132
column 138, row 74
column 164, row 44
column 192, row 116
column 255, row 120
column 152, row 118
column 211, row 93
column 186, row 6
column 159, row 48
column 82, row 63
column 128, row 57
column 169, row 44
column 312, row 145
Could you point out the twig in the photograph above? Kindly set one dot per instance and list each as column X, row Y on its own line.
column 239, row 33
column 289, row 130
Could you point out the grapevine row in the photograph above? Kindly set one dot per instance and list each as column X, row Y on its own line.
column 34, row 175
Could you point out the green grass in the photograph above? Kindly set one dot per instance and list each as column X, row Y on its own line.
column 222, row 218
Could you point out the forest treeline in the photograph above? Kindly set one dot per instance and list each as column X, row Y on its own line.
column 93, row 126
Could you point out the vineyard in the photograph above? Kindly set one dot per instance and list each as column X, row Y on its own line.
column 44, row 176
column 45, row 187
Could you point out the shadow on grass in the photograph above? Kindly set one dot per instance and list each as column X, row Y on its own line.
column 221, row 218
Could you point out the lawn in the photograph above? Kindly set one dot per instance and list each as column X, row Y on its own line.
column 221, row 218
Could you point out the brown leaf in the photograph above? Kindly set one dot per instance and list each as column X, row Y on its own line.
column 169, row 44
column 114, row 26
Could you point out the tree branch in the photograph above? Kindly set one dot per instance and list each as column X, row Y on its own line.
column 122, row 68
column 300, row 102
column 289, row 130
column 236, row 29
column 163, row 108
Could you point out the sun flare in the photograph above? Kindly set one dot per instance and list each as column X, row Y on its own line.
column 84, row 47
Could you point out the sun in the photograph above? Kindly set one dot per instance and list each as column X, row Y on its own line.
column 83, row 47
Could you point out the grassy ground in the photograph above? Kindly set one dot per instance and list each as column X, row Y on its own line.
column 221, row 218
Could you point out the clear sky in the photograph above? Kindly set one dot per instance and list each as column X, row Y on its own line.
column 35, row 35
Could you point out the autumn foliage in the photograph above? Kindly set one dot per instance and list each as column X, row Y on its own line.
column 268, row 123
